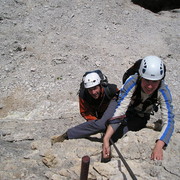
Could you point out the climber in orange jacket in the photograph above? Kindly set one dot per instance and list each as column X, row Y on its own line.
column 95, row 96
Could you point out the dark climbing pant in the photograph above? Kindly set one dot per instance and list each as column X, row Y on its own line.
column 132, row 122
column 92, row 127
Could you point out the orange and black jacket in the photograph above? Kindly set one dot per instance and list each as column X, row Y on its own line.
column 92, row 109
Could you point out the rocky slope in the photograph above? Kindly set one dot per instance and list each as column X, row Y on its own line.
column 46, row 46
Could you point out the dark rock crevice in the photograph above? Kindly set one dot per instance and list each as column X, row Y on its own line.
column 158, row 5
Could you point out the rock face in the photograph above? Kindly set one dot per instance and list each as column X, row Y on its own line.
column 158, row 5
column 46, row 46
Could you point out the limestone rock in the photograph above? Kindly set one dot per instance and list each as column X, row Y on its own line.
column 46, row 47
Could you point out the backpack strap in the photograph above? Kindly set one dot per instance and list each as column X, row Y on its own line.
column 107, row 92
column 110, row 90
column 132, row 70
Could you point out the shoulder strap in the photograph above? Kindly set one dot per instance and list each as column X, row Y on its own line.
column 107, row 92
column 110, row 90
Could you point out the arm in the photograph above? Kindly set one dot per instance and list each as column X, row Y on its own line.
column 168, row 123
column 123, row 103
column 106, row 147
column 167, row 115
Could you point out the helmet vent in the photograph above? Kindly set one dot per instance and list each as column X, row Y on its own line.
column 145, row 67
column 161, row 69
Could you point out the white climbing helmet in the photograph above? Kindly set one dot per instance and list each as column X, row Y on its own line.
column 152, row 68
column 91, row 80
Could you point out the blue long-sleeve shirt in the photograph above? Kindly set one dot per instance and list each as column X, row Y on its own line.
column 164, row 98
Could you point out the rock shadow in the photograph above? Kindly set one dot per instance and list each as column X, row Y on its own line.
column 158, row 5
